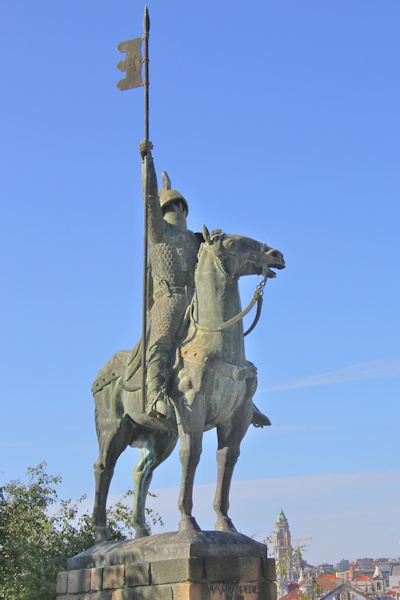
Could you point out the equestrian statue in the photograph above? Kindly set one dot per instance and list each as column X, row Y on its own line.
column 196, row 373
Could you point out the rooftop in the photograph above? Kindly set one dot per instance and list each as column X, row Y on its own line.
column 281, row 518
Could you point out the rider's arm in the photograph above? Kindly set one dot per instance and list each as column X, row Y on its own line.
column 155, row 215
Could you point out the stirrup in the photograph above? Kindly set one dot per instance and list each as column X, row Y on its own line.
column 159, row 408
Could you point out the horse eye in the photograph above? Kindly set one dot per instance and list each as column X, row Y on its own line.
column 229, row 243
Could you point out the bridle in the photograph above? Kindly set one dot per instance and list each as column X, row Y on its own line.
column 257, row 298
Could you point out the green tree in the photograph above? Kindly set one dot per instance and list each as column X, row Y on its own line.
column 314, row 591
column 39, row 532
column 287, row 558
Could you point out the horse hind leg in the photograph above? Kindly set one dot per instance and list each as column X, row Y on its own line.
column 111, row 445
column 159, row 446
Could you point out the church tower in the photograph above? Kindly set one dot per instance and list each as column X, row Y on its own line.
column 282, row 539
column 379, row 582
column 283, row 553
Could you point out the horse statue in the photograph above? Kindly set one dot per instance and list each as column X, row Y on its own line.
column 211, row 385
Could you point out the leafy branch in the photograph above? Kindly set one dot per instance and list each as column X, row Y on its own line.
column 36, row 540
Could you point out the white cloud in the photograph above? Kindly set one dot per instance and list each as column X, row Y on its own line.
column 370, row 370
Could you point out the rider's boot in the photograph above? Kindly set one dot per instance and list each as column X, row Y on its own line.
column 259, row 419
column 157, row 399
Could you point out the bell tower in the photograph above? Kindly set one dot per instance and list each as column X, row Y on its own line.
column 282, row 539
column 283, row 554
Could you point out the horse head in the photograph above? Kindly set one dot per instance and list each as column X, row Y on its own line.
column 216, row 306
column 237, row 255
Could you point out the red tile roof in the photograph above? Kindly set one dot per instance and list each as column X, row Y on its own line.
column 326, row 583
column 293, row 595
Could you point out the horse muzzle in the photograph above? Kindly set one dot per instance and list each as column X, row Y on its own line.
column 274, row 260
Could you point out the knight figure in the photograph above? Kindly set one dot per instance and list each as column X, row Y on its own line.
column 173, row 250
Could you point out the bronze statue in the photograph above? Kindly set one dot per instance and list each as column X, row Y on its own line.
column 211, row 384
column 188, row 373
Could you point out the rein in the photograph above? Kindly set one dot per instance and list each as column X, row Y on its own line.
column 257, row 297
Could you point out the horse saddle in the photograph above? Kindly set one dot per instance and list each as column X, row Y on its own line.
column 125, row 364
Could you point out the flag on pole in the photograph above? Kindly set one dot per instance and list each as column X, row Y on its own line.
column 132, row 65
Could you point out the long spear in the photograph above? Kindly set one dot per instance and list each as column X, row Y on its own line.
column 133, row 78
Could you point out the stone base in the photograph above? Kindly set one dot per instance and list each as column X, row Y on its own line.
column 205, row 565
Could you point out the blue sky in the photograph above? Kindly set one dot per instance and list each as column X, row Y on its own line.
column 275, row 119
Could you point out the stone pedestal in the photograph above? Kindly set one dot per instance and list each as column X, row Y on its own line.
column 206, row 565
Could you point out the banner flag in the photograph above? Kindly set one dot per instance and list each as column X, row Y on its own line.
column 132, row 65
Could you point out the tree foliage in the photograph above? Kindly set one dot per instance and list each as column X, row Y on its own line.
column 285, row 562
column 39, row 532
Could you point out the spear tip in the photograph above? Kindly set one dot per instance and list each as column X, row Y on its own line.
column 146, row 21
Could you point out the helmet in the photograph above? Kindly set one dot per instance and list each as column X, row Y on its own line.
column 167, row 195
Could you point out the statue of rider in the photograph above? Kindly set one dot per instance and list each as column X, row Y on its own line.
column 173, row 250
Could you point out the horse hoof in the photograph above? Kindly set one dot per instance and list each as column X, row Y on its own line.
column 188, row 524
column 141, row 532
column 225, row 524
column 102, row 535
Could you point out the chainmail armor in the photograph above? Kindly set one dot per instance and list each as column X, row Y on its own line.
column 166, row 317
column 174, row 260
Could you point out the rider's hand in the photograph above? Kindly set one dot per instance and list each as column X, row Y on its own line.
column 145, row 147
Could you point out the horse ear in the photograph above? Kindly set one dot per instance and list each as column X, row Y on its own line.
column 206, row 235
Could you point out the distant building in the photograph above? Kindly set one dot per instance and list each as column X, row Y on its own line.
column 282, row 537
column 347, row 592
column 366, row 565
column 329, row 587
column 314, row 587
column 384, row 565
column 379, row 581
column 283, row 553
column 394, row 577
column 343, row 565
column 324, row 569
column 290, row 565
column 384, row 579
column 375, row 585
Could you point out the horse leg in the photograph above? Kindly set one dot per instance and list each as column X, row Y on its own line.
column 230, row 434
column 112, row 444
column 159, row 446
column 190, row 429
